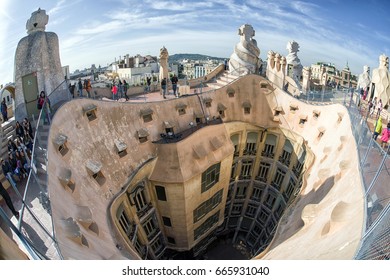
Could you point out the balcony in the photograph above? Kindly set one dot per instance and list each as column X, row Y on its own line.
column 145, row 211
column 285, row 161
column 268, row 154
column 176, row 137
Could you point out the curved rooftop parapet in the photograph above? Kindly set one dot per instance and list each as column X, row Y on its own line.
column 147, row 202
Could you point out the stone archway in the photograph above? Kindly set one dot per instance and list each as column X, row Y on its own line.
column 9, row 90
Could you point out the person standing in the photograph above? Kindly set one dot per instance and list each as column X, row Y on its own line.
column 71, row 89
column 174, row 81
column 125, row 88
column 8, row 201
column 114, row 91
column 164, row 86
column 377, row 128
column 88, row 88
column 148, row 82
column 385, row 136
column 44, row 103
column 80, row 87
column 7, row 171
column 4, row 110
column 380, row 105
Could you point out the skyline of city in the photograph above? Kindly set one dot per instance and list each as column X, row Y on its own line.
column 98, row 32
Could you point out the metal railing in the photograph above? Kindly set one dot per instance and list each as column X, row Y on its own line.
column 374, row 165
column 35, row 229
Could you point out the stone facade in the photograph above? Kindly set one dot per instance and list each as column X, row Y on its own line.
column 293, row 61
column 245, row 58
column 381, row 80
column 38, row 55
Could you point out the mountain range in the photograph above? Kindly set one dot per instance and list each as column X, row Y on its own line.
column 192, row 56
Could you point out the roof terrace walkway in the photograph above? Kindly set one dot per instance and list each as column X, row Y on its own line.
column 34, row 233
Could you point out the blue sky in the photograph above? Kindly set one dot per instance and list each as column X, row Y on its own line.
column 98, row 31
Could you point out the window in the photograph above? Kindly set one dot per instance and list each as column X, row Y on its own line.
column 262, row 217
column 99, row 177
column 120, row 147
column 207, row 206
column 246, row 169
column 316, row 114
column 257, row 230
column 236, row 143
column 263, row 171
column 147, row 118
column 236, row 209
column 127, row 226
column 157, row 246
column 182, row 111
column 210, row 177
column 290, row 189
column 285, row 157
column 247, row 110
column 150, row 227
column 139, row 200
column 257, row 193
column 147, row 115
column 166, row 221
column 203, row 228
column 160, row 191
column 251, row 141
column 207, row 102
column 278, row 179
column 233, row 172
column 221, row 110
column 270, row 200
column 298, row 167
column 241, row 190
column 251, row 210
column 171, row 240
column 269, row 147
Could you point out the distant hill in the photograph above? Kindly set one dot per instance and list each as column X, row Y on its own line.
column 192, row 56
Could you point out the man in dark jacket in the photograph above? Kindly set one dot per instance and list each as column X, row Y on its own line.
column 8, row 201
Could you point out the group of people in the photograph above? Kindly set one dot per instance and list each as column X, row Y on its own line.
column 81, row 85
column 17, row 166
column 164, row 86
column 375, row 107
column 119, row 90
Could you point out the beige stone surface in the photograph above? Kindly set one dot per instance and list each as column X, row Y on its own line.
column 324, row 223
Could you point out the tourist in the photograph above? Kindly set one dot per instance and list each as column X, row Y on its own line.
column 385, row 136
column 380, row 105
column 164, row 87
column 377, row 128
column 148, row 82
column 11, row 146
column 44, row 103
column 80, row 87
column 28, row 128
column 8, row 201
column 114, row 91
column 174, row 81
column 71, row 89
column 4, row 110
column 19, row 130
column 87, row 87
column 125, row 88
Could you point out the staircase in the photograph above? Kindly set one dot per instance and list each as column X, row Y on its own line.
column 223, row 80
column 7, row 132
